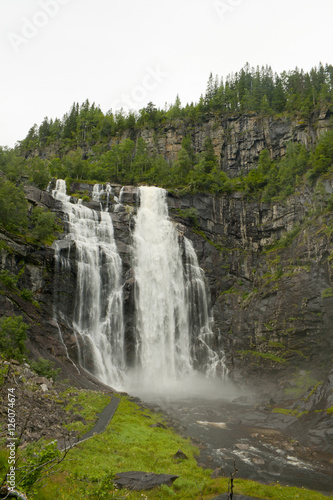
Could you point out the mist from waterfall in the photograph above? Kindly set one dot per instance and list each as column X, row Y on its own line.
column 97, row 317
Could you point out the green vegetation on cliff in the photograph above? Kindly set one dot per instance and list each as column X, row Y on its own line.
column 36, row 225
column 89, row 145
column 257, row 90
column 13, row 334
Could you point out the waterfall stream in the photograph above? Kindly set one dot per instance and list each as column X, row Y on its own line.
column 172, row 324
column 97, row 317
column 100, row 192
column 163, row 351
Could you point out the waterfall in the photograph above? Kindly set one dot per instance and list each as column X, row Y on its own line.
column 163, row 348
column 172, row 332
column 97, row 316
column 173, row 325
column 100, row 192
column 207, row 352
column 97, row 191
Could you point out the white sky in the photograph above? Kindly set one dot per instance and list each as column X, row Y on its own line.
column 129, row 52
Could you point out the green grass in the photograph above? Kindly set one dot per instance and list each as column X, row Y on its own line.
column 284, row 241
column 131, row 443
column 230, row 291
column 87, row 404
column 285, row 411
column 313, row 390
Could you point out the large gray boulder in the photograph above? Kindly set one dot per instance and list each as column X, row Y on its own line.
column 142, row 480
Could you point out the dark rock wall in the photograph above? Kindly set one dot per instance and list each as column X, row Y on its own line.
column 237, row 139
column 273, row 308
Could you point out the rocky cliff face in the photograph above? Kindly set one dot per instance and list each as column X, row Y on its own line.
column 237, row 139
column 272, row 306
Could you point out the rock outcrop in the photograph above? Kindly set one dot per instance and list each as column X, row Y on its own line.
column 238, row 138
column 272, row 305
column 316, row 410
column 139, row 481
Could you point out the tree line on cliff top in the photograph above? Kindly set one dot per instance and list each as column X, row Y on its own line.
column 87, row 145
column 258, row 90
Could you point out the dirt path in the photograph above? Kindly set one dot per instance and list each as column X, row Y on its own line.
column 103, row 420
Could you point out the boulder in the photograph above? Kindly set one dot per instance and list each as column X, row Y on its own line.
column 143, row 480
column 180, row 455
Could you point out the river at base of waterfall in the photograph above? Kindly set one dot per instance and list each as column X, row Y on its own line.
column 234, row 425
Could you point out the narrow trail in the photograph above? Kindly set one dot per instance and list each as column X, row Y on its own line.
column 103, row 420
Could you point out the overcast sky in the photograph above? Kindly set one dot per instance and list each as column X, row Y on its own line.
column 126, row 53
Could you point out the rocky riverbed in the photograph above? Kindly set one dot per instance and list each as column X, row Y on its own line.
column 249, row 432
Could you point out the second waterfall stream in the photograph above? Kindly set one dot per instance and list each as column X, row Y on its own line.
column 172, row 323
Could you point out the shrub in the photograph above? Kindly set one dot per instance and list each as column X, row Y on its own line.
column 39, row 457
column 328, row 292
column 13, row 334
column 8, row 279
column 27, row 294
column 191, row 214
column 44, row 224
column 13, row 207
column 44, row 368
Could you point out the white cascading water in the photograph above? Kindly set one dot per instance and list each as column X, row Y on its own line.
column 207, row 355
column 99, row 191
column 174, row 337
column 98, row 317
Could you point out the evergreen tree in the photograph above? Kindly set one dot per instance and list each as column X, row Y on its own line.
column 209, row 91
column 209, row 156
column 279, row 98
column 44, row 132
column 70, row 122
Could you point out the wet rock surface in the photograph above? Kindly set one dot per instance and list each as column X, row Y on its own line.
column 272, row 308
column 315, row 426
column 271, row 313
column 237, row 139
